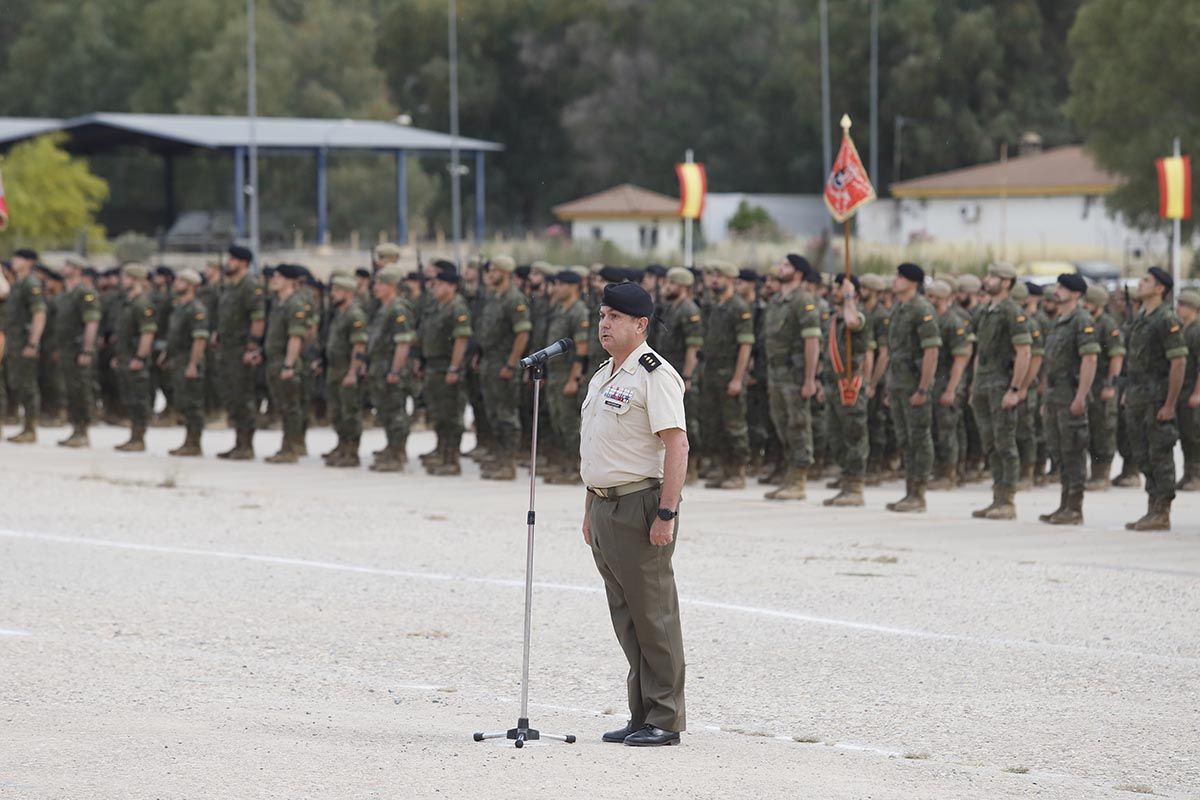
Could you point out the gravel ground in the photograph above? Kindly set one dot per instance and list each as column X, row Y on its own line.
column 186, row 628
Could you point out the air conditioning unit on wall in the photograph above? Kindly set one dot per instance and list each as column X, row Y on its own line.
column 970, row 212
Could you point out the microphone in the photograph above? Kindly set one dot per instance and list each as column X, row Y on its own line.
column 547, row 353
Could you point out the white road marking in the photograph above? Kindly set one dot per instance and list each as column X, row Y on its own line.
column 772, row 613
column 12, row 632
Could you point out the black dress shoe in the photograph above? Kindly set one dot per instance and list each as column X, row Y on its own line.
column 619, row 736
column 650, row 736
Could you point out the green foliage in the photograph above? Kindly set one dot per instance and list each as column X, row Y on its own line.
column 131, row 246
column 1129, row 98
column 753, row 222
column 52, row 197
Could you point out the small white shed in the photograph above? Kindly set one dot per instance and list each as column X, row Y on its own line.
column 636, row 220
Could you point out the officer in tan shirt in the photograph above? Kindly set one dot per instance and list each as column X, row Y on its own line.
column 633, row 458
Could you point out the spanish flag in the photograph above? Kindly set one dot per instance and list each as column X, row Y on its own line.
column 1175, row 187
column 693, row 185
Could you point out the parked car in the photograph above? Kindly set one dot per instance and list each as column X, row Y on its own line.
column 213, row 231
column 1098, row 271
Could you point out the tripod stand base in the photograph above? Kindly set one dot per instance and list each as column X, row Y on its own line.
column 522, row 734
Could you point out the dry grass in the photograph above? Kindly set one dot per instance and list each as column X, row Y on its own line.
column 807, row 739
column 916, row 756
column 1017, row 770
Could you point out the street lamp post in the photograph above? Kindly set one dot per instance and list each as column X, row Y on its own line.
column 455, row 171
column 252, row 115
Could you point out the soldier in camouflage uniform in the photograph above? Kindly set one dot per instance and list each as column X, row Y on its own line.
column 345, row 359
column 161, row 281
column 209, row 294
column 565, row 390
column 970, row 456
column 136, row 331
column 679, row 343
column 1156, row 365
column 50, row 374
column 474, row 293
column 848, row 423
column 1071, row 350
column 445, row 332
column 1189, row 397
column 1029, row 412
column 1001, row 385
column 1125, row 309
column 728, row 339
column 287, row 329
column 185, row 356
column 502, row 333
column 390, row 339
column 758, row 412
column 5, row 288
column 76, row 330
column 242, row 312
column 1102, row 402
column 24, row 328
column 949, row 386
column 879, row 318
column 111, row 300
column 793, row 353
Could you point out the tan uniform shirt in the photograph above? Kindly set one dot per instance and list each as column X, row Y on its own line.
column 622, row 415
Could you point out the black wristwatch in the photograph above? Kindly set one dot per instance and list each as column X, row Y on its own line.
column 666, row 514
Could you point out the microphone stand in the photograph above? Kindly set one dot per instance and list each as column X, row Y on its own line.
column 523, row 733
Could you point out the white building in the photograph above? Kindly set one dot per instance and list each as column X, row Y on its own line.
column 798, row 216
column 1028, row 207
column 638, row 221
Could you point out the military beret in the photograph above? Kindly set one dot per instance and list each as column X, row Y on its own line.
column 912, row 272
column 582, row 272
column 391, row 275
column 1097, row 295
column 840, row 278
column 799, row 262
column 1073, row 281
column 292, row 272
column 503, row 263
column 444, row 264
column 939, row 288
column 1162, row 276
column 746, row 274
column 190, row 276
column 1190, row 298
column 874, row 281
column 634, row 274
column 1020, row 292
column 362, row 272
column 139, row 272
column 628, row 298
column 387, row 250
column 722, row 267
column 544, row 267
column 681, row 276
column 1002, row 269
column 72, row 260
column 447, row 275
column 969, row 284
column 240, row 253
column 612, row 274
column 1035, row 289
column 52, row 274
column 344, row 282
column 27, row 254
column 312, row 282
column 657, row 270
column 522, row 271
column 812, row 275
column 338, row 272
column 568, row 276
column 112, row 272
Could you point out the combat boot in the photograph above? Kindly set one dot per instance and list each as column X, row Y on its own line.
column 972, row 470
column 336, row 452
column 28, row 434
column 387, row 460
column 777, row 475
column 717, row 477
column 1003, row 508
column 243, row 450
column 1130, row 477
column 982, row 513
column 1071, row 513
column 1191, row 478
column 190, row 446
column 449, row 464
column 433, row 457
column 78, row 438
column 872, row 478
column 286, row 454
column 136, row 443
column 794, row 486
column 1158, row 516
column 1099, row 481
column 1039, row 472
column 1062, row 506
column 756, row 462
column 850, row 495
column 734, row 479
column 817, row 470
column 947, row 478
column 1025, row 478
column 915, row 502
column 349, row 456
column 908, row 489
column 502, row 468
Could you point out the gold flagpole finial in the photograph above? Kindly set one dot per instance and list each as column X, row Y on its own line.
column 846, row 122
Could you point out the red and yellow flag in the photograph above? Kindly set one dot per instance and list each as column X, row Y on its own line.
column 1175, row 187
column 693, row 186
column 848, row 186
column 3, row 207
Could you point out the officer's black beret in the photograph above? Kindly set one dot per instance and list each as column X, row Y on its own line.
column 305, row 272
column 912, row 272
column 746, row 274
column 27, row 254
column 292, row 272
column 1073, row 281
column 241, row 253
column 1035, row 289
column 568, row 276
column 362, row 272
column 841, row 278
column 613, row 274
column 313, row 282
column 799, row 262
column 1162, row 276
column 657, row 270
column 628, row 298
column 522, row 271
column 634, row 274
column 447, row 275
column 443, row 265
column 268, row 272
column 165, row 271
column 811, row 275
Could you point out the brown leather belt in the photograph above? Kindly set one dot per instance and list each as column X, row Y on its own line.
column 625, row 488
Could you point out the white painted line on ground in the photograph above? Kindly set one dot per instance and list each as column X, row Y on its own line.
column 12, row 632
column 566, row 587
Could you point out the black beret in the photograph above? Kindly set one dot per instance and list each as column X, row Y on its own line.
column 799, row 262
column 164, row 271
column 268, row 272
column 362, row 272
column 522, row 271
column 745, row 274
column 447, row 275
column 811, row 275
column 1162, row 276
column 628, row 298
column 1073, row 281
column 657, row 270
column 634, row 274
column 841, row 278
column 613, row 274
column 112, row 272
column 26, row 253
column 312, row 281
column 444, row 265
column 293, row 272
column 1035, row 289
column 240, row 253
column 912, row 272
column 568, row 276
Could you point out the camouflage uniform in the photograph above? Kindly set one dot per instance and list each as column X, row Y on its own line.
column 913, row 330
column 683, row 328
column 955, row 329
column 1072, row 337
column 1002, row 327
column 505, row 316
column 792, row 319
column 78, row 307
column 729, row 325
column 25, row 299
column 1102, row 414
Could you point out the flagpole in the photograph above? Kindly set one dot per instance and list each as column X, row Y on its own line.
column 1176, row 257
column 849, row 370
column 687, row 225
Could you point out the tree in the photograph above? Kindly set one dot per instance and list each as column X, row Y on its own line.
column 753, row 222
column 1129, row 99
column 52, row 198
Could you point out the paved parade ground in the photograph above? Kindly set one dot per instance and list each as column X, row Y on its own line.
column 187, row 628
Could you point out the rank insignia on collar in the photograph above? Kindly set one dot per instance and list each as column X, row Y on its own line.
column 650, row 362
